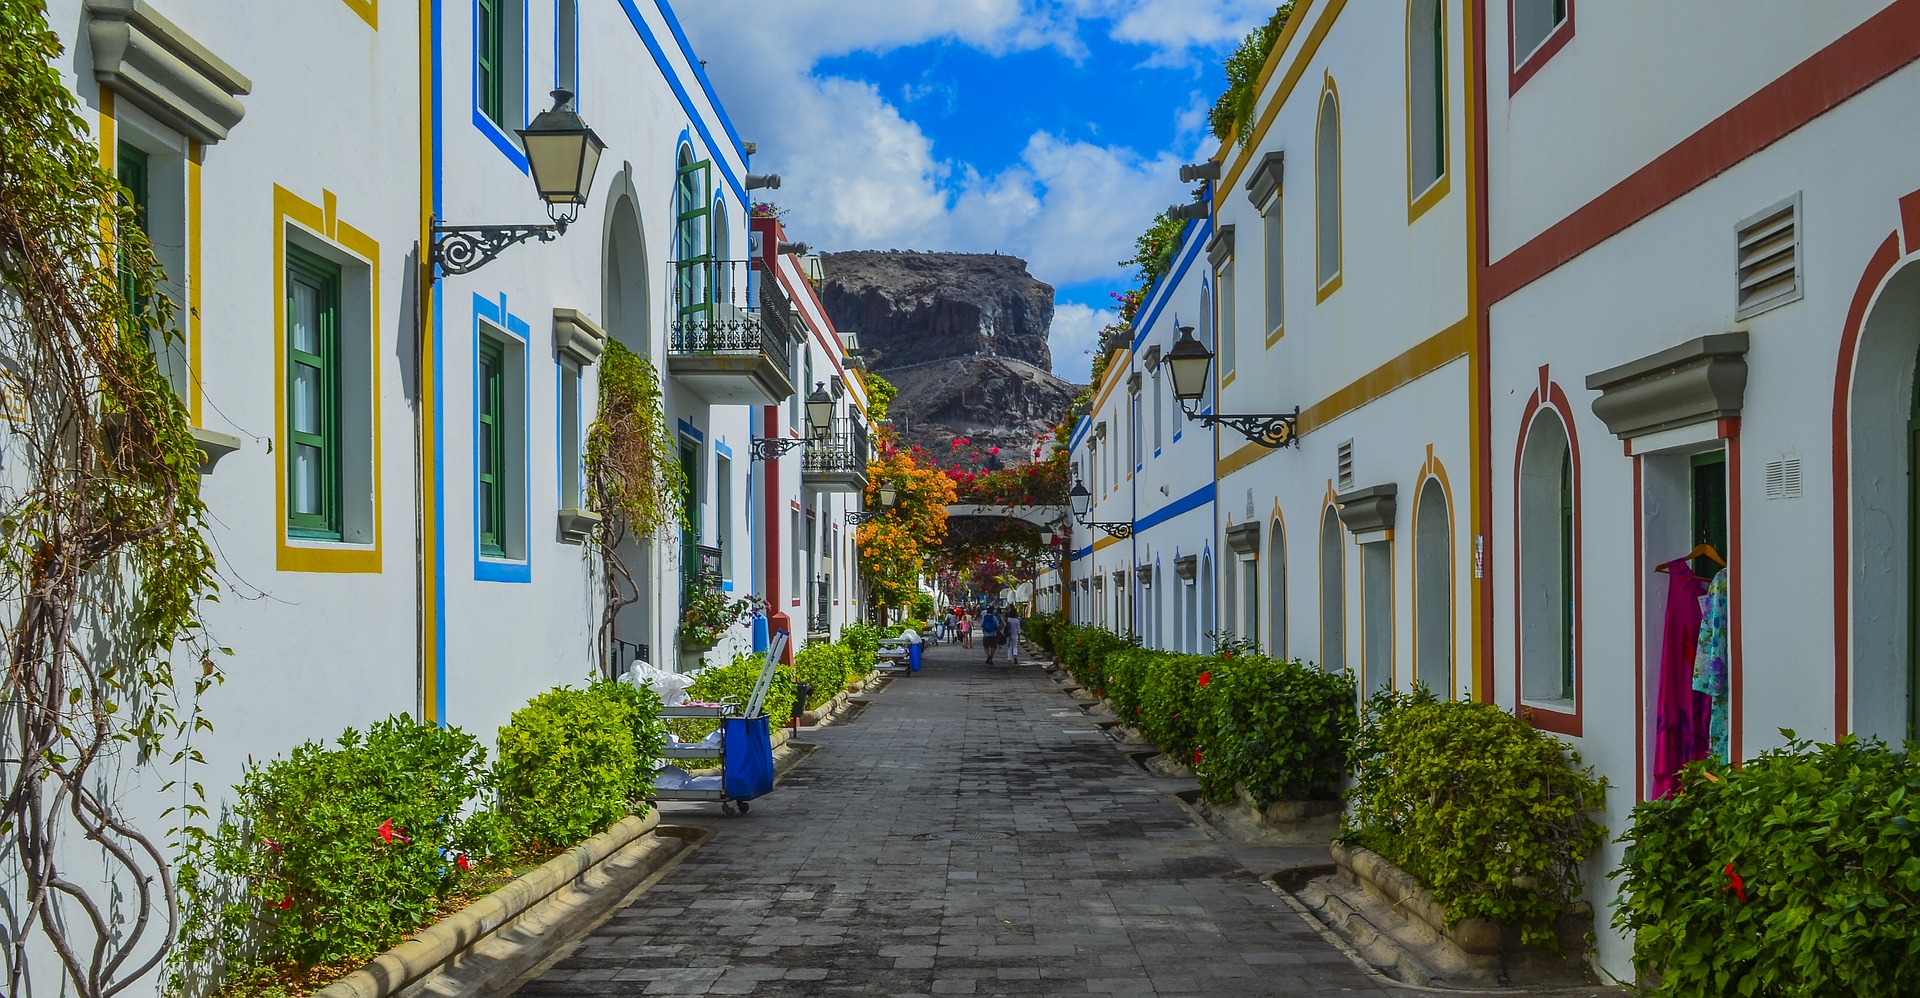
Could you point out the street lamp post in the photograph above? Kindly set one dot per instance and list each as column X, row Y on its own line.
column 889, row 494
column 1082, row 502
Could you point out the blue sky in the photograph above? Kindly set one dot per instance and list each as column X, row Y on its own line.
column 1049, row 129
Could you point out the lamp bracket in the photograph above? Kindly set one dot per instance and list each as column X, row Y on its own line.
column 770, row 448
column 463, row 249
column 1120, row 530
column 1274, row 430
column 860, row 516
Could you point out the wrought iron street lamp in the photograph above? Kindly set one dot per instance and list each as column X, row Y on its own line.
column 1051, row 552
column 1188, row 363
column 1082, row 502
column 888, row 496
column 562, row 154
column 819, row 422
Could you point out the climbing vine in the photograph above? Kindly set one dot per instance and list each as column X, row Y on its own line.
column 635, row 481
column 104, row 560
column 1232, row 113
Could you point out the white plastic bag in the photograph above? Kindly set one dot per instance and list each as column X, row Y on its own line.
column 671, row 686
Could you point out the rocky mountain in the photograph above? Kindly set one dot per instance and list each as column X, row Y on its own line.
column 964, row 337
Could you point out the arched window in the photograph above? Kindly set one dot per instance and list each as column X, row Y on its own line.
column 1326, row 187
column 1426, row 95
column 1203, row 642
column 1333, row 594
column 1433, row 591
column 1277, row 592
column 1230, row 605
column 1549, row 657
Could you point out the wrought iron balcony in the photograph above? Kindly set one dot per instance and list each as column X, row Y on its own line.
column 837, row 461
column 732, row 332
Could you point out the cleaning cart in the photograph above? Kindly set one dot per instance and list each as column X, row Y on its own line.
column 742, row 749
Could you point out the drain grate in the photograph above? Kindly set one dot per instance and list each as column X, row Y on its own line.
column 963, row 836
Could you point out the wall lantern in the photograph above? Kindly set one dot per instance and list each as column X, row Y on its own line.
column 820, row 410
column 562, row 154
column 1082, row 502
column 1189, row 361
column 889, row 494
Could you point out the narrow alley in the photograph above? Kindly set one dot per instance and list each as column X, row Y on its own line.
column 969, row 833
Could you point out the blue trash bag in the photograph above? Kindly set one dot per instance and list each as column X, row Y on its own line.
column 748, row 769
column 913, row 657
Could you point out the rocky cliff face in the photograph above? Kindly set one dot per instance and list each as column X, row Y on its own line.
column 963, row 336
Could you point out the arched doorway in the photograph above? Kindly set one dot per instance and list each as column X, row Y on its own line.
column 626, row 307
column 1433, row 591
column 1883, row 514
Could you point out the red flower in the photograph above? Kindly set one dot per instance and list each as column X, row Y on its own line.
column 1735, row 884
column 388, row 833
column 1196, row 757
column 285, row 903
column 1204, row 678
column 463, row 862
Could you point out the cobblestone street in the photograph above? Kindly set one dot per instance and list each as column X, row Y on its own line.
column 969, row 833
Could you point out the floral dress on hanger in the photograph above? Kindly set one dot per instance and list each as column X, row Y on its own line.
column 1710, row 664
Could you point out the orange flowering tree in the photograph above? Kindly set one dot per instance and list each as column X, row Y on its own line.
column 895, row 546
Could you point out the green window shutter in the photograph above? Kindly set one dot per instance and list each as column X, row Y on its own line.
column 491, row 453
column 1439, row 90
column 132, row 165
column 490, row 58
column 693, row 208
column 313, row 396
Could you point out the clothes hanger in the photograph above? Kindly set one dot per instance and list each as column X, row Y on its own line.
column 1699, row 551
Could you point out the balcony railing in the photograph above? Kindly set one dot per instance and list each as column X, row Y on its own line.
column 732, row 331
column 842, row 451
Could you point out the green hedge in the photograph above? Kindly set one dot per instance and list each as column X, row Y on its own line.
column 570, row 765
column 1486, row 810
column 1170, row 703
column 824, row 666
column 1826, row 841
column 737, row 681
column 339, row 851
column 1280, row 729
column 863, row 643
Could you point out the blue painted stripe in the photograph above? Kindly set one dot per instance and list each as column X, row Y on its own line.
column 692, row 431
column 1191, row 501
column 700, row 73
column 720, row 447
column 1198, row 232
column 500, row 140
column 489, row 569
column 686, row 102
column 439, row 553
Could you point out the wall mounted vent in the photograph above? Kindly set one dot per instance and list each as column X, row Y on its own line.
column 1783, row 477
column 1769, row 259
column 1345, row 476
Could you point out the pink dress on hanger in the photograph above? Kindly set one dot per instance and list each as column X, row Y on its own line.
column 1683, row 715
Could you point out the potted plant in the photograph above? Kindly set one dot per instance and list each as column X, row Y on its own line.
column 709, row 613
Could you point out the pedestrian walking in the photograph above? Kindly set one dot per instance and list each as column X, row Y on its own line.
column 1013, row 636
column 953, row 623
column 990, row 631
column 966, row 630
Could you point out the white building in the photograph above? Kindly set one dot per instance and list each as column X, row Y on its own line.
column 1556, row 285
column 395, row 449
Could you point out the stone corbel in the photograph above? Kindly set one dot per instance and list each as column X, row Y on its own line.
column 1368, row 513
column 577, row 526
column 214, row 445
column 1264, row 181
column 576, row 337
column 1186, row 566
column 1701, row 381
column 159, row 68
column 1220, row 247
column 1244, row 538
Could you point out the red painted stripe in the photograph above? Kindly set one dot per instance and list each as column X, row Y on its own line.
column 1910, row 220
column 1881, row 45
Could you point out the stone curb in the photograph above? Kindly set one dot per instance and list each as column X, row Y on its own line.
column 440, row 942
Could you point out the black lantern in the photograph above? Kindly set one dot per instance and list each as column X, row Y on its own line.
column 1081, row 500
column 1190, row 360
column 562, row 153
column 889, row 494
column 820, row 410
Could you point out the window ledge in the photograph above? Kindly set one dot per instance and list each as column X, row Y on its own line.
column 578, row 525
column 214, row 445
column 1566, row 707
column 576, row 337
column 163, row 70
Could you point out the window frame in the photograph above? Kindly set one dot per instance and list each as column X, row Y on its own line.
column 1421, row 197
column 490, row 416
column 1325, row 221
column 1564, row 714
column 1433, row 489
column 324, row 525
column 1522, row 66
column 1273, row 239
column 1333, row 587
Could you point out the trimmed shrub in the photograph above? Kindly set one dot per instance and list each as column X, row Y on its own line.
column 1282, row 730
column 1826, row 842
column 569, row 766
column 825, row 667
column 649, row 734
column 863, row 645
column 345, row 849
column 1486, row 810
column 1170, row 703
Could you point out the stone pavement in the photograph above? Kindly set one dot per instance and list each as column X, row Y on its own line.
column 970, row 833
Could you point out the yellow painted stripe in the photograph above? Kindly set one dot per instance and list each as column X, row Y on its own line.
column 428, row 639
column 195, row 394
column 1417, row 361
column 1298, row 67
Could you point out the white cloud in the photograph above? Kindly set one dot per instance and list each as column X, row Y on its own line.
column 858, row 172
column 1076, row 331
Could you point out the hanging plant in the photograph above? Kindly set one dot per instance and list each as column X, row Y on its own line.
column 104, row 561
column 635, row 482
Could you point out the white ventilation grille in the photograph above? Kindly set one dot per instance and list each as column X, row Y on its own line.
column 1783, row 477
column 1346, row 466
column 1769, row 255
column 1249, row 505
